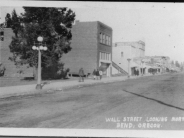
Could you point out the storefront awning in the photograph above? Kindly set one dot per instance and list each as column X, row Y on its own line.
column 133, row 64
column 104, row 66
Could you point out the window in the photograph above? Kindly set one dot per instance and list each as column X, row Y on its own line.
column 105, row 56
column 103, row 39
column 107, row 40
column 109, row 56
column 100, row 37
column 121, row 54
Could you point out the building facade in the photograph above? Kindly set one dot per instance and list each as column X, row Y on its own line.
column 122, row 51
column 91, row 48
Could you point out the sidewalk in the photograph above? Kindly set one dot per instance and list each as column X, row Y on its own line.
column 55, row 86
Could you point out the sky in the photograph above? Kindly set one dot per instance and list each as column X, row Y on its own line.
column 159, row 25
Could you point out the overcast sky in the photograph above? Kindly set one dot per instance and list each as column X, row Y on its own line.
column 159, row 25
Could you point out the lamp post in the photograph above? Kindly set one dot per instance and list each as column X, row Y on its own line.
column 128, row 67
column 39, row 48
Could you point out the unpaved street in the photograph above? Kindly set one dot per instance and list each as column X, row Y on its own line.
column 154, row 102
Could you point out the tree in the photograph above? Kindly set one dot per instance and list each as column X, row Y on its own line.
column 172, row 62
column 177, row 64
column 53, row 24
column 2, row 70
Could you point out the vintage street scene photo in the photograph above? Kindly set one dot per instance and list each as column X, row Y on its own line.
column 92, row 65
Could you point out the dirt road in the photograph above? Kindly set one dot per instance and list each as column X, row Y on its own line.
column 154, row 102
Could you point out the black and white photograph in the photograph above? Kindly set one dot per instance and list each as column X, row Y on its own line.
column 91, row 69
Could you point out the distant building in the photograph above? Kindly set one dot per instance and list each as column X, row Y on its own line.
column 153, row 64
column 91, row 48
column 127, row 50
column 162, row 63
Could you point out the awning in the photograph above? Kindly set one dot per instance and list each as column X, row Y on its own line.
column 133, row 64
column 104, row 66
column 147, row 66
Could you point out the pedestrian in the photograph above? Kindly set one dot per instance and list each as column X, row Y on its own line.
column 94, row 74
column 100, row 73
column 97, row 74
column 81, row 75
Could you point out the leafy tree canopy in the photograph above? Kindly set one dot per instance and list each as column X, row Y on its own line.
column 177, row 64
column 172, row 62
column 53, row 24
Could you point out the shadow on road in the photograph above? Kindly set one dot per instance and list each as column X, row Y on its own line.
column 155, row 100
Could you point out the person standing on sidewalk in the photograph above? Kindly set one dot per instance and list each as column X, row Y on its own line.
column 94, row 74
column 97, row 74
column 81, row 75
column 100, row 73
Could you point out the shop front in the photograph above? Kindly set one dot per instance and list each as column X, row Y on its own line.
column 105, row 68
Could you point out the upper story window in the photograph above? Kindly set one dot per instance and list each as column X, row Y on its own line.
column 101, row 38
column 121, row 54
column 109, row 41
column 105, row 39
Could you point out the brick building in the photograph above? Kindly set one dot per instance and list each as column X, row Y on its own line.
column 91, row 48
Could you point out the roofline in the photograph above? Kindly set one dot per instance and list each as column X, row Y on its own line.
column 104, row 24
column 95, row 22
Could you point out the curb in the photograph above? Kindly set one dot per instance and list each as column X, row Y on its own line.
column 52, row 90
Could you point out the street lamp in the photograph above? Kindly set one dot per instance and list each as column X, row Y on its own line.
column 39, row 48
column 128, row 67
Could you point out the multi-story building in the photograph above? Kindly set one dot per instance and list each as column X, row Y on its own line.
column 91, row 48
column 122, row 51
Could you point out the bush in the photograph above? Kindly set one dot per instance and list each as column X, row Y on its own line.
column 62, row 74
column 2, row 70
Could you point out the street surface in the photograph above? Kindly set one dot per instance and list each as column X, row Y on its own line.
column 153, row 102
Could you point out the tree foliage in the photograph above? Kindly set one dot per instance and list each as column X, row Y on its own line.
column 172, row 62
column 53, row 24
column 177, row 64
